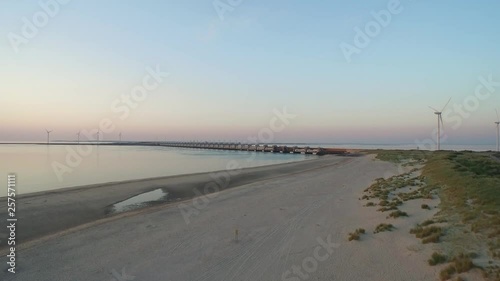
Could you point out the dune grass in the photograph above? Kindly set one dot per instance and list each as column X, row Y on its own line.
column 429, row 234
column 468, row 184
column 437, row 258
column 383, row 227
column 459, row 264
column 397, row 214
column 356, row 235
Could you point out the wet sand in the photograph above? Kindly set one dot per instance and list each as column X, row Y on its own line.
column 49, row 212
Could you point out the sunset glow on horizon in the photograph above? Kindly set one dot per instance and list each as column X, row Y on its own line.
column 178, row 71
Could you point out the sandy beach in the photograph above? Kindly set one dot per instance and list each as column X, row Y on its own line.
column 289, row 226
column 45, row 213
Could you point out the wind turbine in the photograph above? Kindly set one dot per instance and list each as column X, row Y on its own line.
column 98, row 131
column 48, row 135
column 78, row 134
column 440, row 123
column 498, row 131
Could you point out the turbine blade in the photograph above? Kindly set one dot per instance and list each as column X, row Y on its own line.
column 435, row 110
column 441, row 120
column 446, row 104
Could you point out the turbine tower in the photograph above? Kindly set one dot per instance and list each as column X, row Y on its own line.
column 440, row 123
column 498, row 131
column 98, row 131
column 78, row 134
column 48, row 135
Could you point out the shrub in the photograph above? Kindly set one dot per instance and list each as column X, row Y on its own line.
column 397, row 214
column 463, row 263
column 356, row 234
column 429, row 234
column 446, row 273
column 437, row 258
column 370, row 204
column 383, row 227
column 353, row 236
column 425, row 206
column 383, row 203
column 434, row 238
column 427, row 222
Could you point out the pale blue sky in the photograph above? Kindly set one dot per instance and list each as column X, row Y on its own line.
column 227, row 76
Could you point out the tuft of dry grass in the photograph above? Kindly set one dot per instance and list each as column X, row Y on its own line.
column 463, row 263
column 427, row 222
column 447, row 273
column 356, row 235
column 430, row 234
column 460, row 263
column 397, row 214
column 383, row 227
column 437, row 258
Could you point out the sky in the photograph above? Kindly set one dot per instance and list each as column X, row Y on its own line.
column 220, row 70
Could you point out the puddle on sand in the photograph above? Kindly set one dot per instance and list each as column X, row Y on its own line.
column 139, row 201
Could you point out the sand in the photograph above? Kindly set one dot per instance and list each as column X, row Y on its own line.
column 291, row 226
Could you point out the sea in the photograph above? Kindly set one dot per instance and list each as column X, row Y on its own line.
column 40, row 167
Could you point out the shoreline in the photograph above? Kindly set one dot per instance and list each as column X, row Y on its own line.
column 280, row 220
column 266, row 223
column 110, row 183
column 49, row 212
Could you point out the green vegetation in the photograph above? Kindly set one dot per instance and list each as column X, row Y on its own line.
column 468, row 184
column 425, row 206
column 429, row 234
column 356, row 235
column 399, row 156
column 397, row 214
column 461, row 263
column 437, row 258
column 427, row 222
column 446, row 273
column 383, row 227
column 472, row 189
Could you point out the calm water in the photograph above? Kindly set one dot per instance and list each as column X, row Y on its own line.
column 33, row 164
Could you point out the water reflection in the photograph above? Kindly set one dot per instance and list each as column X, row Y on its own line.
column 139, row 201
column 92, row 164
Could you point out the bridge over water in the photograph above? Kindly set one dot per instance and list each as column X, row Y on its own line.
column 256, row 147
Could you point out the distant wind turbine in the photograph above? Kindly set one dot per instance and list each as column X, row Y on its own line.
column 78, row 134
column 98, row 131
column 48, row 135
column 498, row 131
column 440, row 123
